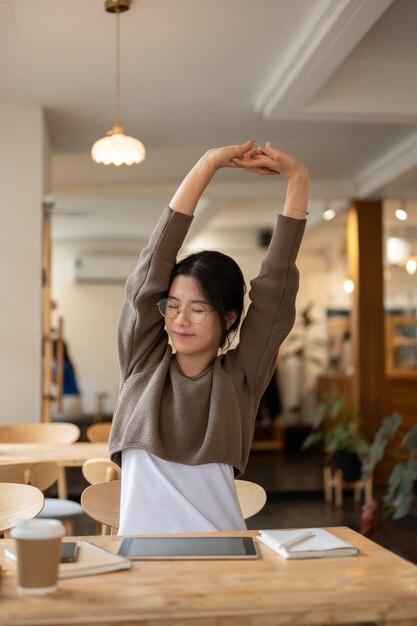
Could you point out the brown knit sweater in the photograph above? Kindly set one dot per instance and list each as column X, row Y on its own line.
column 209, row 418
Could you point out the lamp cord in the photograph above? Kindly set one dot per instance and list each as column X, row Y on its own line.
column 117, row 67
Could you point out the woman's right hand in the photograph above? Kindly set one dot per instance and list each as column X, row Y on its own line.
column 269, row 161
column 224, row 156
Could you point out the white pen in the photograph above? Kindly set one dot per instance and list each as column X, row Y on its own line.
column 297, row 539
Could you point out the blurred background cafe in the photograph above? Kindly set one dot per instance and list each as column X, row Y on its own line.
column 332, row 83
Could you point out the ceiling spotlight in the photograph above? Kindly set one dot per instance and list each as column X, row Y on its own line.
column 401, row 214
column 329, row 214
column 411, row 265
column 348, row 286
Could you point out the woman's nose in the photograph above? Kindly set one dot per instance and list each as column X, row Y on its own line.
column 182, row 316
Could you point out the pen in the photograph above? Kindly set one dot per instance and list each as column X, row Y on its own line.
column 295, row 540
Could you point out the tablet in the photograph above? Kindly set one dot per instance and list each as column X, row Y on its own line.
column 189, row 548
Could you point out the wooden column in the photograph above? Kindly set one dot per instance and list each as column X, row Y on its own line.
column 365, row 252
column 46, row 319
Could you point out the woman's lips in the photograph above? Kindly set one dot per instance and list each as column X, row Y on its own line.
column 182, row 335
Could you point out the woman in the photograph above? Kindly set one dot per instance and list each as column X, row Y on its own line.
column 184, row 422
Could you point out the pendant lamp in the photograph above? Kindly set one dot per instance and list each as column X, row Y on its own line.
column 117, row 148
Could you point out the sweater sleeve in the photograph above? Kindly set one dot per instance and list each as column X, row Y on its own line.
column 141, row 334
column 271, row 313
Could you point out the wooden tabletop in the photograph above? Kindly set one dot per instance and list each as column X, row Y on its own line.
column 72, row 455
column 376, row 586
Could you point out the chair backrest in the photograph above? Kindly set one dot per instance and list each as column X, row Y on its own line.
column 41, row 474
column 251, row 496
column 102, row 500
column 99, row 433
column 61, row 433
column 17, row 503
column 100, row 471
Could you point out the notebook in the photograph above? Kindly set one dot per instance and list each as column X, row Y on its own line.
column 91, row 560
column 306, row 543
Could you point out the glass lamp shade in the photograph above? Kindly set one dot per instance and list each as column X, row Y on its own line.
column 118, row 149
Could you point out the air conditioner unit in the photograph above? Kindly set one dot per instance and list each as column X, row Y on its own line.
column 103, row 268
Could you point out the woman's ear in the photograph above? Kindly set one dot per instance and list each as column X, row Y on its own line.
column 230, row 318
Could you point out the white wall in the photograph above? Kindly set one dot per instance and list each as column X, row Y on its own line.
column 23, row 174
column 90, row 314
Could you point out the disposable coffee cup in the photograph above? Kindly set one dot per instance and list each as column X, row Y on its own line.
column 38, row 546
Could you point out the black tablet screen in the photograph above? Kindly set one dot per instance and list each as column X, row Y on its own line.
column 188, row 547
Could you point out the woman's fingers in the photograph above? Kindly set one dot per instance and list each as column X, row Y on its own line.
column 268, row 159
column 256, row 160
column 244, row 148
column 254, row 166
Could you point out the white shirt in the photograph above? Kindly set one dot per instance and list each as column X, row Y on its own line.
column 160, row 496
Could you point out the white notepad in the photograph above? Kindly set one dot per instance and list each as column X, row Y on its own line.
column 306, row 543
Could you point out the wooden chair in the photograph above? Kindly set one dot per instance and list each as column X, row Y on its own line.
column 42, row 475
column 251, row 496
column 101, row 501
column 99, row 433
column 100, row 471
column 59, row 433
column 62, row 433
column 334, row 485
column 17, row 503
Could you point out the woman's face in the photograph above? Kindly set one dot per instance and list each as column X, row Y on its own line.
column 190, row 339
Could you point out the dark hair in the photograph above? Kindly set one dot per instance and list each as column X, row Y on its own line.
column 221, row 280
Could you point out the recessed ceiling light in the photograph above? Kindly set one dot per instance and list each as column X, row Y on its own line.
column 348, row 286
column 411, row 265
column 329, row 214
column 401, row 214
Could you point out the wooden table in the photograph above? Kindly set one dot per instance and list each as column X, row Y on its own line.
column 376, row 586
column 72, row 455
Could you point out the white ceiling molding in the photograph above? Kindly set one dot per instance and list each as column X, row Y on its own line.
column 329, row 35
column 393, row 164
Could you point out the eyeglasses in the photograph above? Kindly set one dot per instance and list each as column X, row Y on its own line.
column 195, row 313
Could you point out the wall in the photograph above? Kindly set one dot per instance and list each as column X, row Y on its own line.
column 23, row 165
column 91, row 313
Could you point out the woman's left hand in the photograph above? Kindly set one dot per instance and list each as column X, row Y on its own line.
column 270, row 161
column 223, row 157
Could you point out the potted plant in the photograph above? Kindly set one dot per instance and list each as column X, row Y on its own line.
column 400, row 496
column 338, row 426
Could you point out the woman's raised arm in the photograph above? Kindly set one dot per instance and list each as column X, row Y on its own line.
column 192, row 187
column 270, row 160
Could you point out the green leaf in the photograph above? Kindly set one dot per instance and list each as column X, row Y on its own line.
column 410, row 440
column 385, row 433
column 311, row 440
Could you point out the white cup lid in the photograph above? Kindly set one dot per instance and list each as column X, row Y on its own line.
column 38, row 529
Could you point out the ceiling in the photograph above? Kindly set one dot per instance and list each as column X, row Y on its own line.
column 330, row 81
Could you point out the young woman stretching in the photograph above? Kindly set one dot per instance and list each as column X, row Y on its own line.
column 184, row 422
